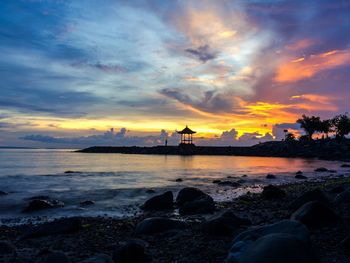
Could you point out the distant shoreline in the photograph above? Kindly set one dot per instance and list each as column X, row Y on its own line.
column 321, row 149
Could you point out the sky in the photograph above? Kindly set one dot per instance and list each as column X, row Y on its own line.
column 107, row 72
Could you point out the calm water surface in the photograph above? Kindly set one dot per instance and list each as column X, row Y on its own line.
column 118, row 182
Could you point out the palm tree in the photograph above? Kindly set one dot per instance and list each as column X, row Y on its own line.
column 309, row 124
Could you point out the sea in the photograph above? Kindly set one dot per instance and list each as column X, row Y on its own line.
column 120, row 183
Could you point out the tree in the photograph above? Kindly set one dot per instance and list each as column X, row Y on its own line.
column 341, row 124
column 290, row 137
column 309, row 124
column 325, row 127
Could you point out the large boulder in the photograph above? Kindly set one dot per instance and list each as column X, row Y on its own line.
column 61, row 226
column 159, row 202
column 133, row 251
column 41, row 204
column 244, row 240
column 315, row 214
column 54, row 257
column 224, row 224
column 343, row 197
column 154, row 225
column 188, row 194
column 99, row 258
column 313, row 195
column 3, row 193
column 273, row 192
column 201, row 205
column 277, row 248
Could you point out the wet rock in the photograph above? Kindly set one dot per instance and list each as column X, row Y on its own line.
column 332, row 171
column 6, row 248
column 276, row 248
column 345, row 243
column 201, row 205
column 345, row 165
column 229, row 183
column 224, row 224
column 71, row 172
column 39, row 197
column 287, row 227
column 159, row 202
column 3, row 193
column 321, row 169
column 343, row 197
column 337, row 190
column 188, row 194
column 178, row 180
column 273, row 192
column 54, row 257
column 87, row 202
column 299, row 172
column 41, row 204
column 133, row 251
column 270, row 176
column 154, row 225
column 300, row 176
column 313, row 195
column 216, row 181
column 99, row 258
column 315, row 214
column 57, row 227
column 244, row 175
column 150, row 191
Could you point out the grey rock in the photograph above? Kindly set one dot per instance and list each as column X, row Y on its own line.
column 133, row 251
column 87, row 202
column 54, row 257
column 315, row 214
column 99, row 258
column 229, row 183
column 154, row 225
column 313, row 195
column 202, row 205
column 41, row 204
column 188, row 194
column 159, row 202
column 273, row 192
column 321, row 169
column 343, row 197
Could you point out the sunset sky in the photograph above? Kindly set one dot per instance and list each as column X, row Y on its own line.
column 236, row 71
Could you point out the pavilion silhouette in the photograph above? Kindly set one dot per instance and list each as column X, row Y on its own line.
column 186, row 137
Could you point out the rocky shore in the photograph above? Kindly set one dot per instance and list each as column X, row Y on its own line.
column 300, row 222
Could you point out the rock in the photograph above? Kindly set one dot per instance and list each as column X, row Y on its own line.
column 150, row 191
column 87, row 202
column 332, row 171
column 337, row 189
column 216, row 181
column 345, row 243
column 315, row 214
column 40, row 204
column 71, row 172
column 300, row 176
column 224, row 224
column 159, row 202
column 6, row 248
column 273, row 192
column 188, row 194
column 154, row 225
column 229, row 183
column 178, row 180
column 244, row 240
column 54, row 257
column 321, row 169
column 270, row 176
column 3, row 193
column 57, row 227
column 201, row 205
column 313, row 195
column 345, row 165
column 276, row 248
column 99, row 258
column 343, row 197
column 244, row 175
column 298, row 172
column 133, row 251
column 40, row 197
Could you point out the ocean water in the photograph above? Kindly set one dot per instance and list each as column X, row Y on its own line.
column 118, row 182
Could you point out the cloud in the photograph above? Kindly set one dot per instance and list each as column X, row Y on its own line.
column 202, row 53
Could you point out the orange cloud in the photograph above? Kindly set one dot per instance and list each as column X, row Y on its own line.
column 301, row 68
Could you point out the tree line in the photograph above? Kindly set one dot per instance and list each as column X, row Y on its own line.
column 339, row 126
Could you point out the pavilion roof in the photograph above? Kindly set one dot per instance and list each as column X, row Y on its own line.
column 186, row 131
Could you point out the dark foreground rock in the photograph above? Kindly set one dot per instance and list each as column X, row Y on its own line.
column 229, row 183
column 42, row 204
column 313, row 195
column 6, row 248
column 154, row 225
column 201, row 205
column 188, row 194
column 87, row 202
column 300, row 176
column 54, row 257
column 244, row 243
column 270, row 176
column 224, row 224
column 273, row 192
column 99, row 258
column 277, row 248
column 160, row 202
column 133, row 251
column 60, row 226
column 321, row 169
column 315, row 214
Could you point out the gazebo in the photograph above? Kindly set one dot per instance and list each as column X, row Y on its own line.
column 186, row 136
